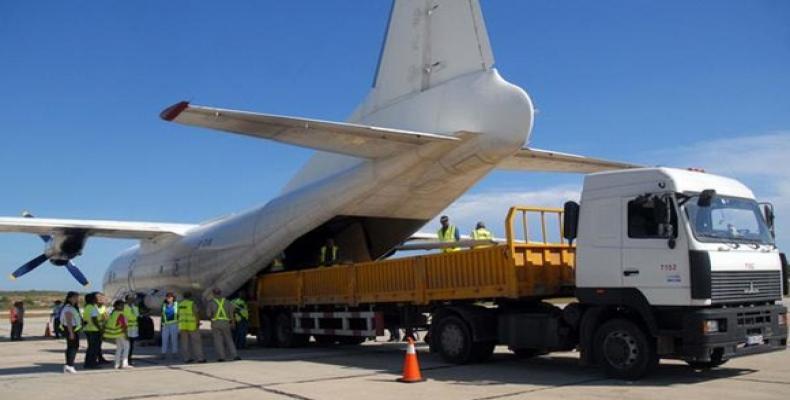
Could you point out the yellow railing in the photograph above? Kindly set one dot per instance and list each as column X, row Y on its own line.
column 520, row 215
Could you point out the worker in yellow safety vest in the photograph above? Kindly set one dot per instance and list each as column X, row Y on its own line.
column 481, row 233
column 222, row 320
column 189, row 330
column 447, row 234
column 92, row 329
column 329, row 253
column 131, row 312
column 116, row 330
column 242, row 314
column 278, row 264
column 104, row 314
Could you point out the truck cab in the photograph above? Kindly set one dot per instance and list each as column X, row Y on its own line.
column 690, row 255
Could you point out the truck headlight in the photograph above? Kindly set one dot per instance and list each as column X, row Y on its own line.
column 782, row 319
column 710, row 326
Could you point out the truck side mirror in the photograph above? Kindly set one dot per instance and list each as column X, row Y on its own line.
column 768, row 210
column 570, row 221
column 706, row 197
column 663, row 214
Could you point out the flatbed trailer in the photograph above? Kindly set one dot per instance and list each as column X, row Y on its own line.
column 349, row 303
column 651, row 277
column 518, row 269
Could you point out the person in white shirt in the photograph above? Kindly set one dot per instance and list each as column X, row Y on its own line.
column 71, row 324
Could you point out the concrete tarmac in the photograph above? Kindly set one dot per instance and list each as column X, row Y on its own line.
column 32, row 370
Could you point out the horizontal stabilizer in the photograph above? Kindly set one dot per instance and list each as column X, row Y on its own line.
column 336, row 137
column 109, row 229
column 528, row 159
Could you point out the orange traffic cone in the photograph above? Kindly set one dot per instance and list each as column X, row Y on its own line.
column 411, row 367
column 47, row 331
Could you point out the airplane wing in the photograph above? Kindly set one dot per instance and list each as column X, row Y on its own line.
column 528, row 159
column 336, row 137
column 108, row 229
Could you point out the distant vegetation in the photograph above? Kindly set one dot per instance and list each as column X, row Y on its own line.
column 33, row 299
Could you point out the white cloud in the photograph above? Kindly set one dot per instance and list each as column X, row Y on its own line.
column 762, row 162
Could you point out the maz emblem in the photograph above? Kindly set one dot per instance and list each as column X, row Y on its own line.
column 751, row 289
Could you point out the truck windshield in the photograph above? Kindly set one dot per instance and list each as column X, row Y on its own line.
column 728, row 219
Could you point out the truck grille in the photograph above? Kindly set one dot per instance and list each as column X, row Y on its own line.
column 736, row 286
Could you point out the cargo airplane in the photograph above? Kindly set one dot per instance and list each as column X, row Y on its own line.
column 437, row 120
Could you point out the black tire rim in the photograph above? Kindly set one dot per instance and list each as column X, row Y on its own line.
column 621, row 349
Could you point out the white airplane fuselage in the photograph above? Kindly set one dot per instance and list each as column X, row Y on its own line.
column 396, row 194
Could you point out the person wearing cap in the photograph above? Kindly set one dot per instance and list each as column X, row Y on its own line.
column 448, row 234
column 481, row 233
column 169, row 326
column 131, row 313
column 223, row 317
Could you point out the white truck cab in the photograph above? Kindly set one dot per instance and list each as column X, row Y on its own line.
column 687, row 257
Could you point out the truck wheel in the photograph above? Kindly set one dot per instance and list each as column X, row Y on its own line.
column 482, row 351
column 265, row 337
column 453, row 339
column 284, row 334
column 624, row 350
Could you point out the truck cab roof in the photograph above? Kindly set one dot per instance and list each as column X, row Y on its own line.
column 647, row 180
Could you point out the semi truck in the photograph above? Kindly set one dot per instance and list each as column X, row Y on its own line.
column 655, row 263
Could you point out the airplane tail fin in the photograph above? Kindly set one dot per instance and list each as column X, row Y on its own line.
column 429, row 42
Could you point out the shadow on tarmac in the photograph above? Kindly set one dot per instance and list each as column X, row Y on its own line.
column 501, row 369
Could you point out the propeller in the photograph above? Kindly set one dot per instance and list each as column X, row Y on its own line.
column 36, row 262
column 77, row 274
column 29, row 266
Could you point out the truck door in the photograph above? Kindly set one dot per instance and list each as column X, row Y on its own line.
column 648, row 262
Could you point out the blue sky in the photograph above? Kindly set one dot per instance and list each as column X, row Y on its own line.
column 701, row 83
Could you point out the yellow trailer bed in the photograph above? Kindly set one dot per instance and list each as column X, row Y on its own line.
column 516, row 269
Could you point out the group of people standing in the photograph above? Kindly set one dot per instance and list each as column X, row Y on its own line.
column 118, row 324
column 180, row 327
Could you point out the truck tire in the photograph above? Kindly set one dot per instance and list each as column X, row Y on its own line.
column 624, row 350
column 284, row 334
column 453, row 340
column 265, row 336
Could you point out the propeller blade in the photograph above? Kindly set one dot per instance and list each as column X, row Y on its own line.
column 29, row 266
column 75, row 272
